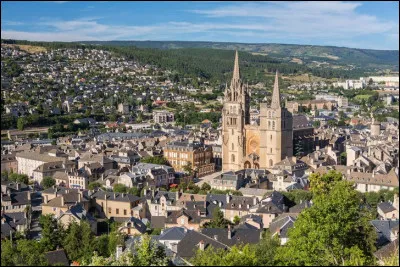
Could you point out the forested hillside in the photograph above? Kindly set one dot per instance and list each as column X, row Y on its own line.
column 212, row 64
column 308, row 53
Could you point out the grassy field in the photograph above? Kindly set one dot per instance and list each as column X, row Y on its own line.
column 27, row 48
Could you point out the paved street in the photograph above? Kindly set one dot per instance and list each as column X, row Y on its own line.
column 208, row 178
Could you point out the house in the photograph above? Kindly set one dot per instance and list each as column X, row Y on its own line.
column 15, row 202
column 77, row 213
column 281, row 225
column 133, row 226
column 387, row 211
column 387, row 231
column 171, row 237
column 59, row 200
column 14, row 222
column 232, row 237
column 110, row 204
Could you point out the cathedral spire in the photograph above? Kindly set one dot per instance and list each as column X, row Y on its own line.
column 276, row 96
column 236, row 68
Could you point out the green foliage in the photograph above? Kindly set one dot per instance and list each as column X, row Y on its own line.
column 24, row 253
column 21, row 123
column 334, row 231
column 94, row 185
column 148, row 253
column 78, row 241
column 205, row 187
column 261, row 254
column 218, row 220
column 48, row 182
column 120, row 188
column 134, row 191
column 295, row 197
column 236, row 220
column 155, row 160
column 320, row 184
column 52, row 232
column 18, row 178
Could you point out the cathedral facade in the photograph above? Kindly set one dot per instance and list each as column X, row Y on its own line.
column 246, row 145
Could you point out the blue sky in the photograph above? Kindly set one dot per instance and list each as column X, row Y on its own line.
column 373, row 25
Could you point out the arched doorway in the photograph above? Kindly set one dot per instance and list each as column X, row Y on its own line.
column 247, row 165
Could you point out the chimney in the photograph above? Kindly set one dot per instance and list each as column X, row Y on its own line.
column 29, row 195
column 46, row 199
column 79, row 197
column 316, row 147
column 229, row 232
column 254, row 200
column 62, row 201
column 119, row 251
column 198, row 213
column 18, row 186
column 228, row 198
column 201, row 245
column 216, row 237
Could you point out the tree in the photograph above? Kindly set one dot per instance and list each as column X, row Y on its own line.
column 236, row 220
column 120, row 188
column 334, row 231
column 218, row 220
column 48, row 182
column 25, row 253
column 94, row 185
column 134, row 191
column 18, row 178
column 21, row 123
column 78, row 241
column 205, row 187
column 343, row 158
column 155, row 160
column 316, row 124
column 188, row 168
column 320, row 184
column 149, row 253
column 52, row 232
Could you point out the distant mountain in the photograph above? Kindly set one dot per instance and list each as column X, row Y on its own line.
column 302, row 54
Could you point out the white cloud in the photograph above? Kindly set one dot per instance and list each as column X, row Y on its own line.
column 13, row 23
column 334, row 23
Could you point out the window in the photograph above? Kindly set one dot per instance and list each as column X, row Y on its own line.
column 273, row 125
column 233, row 146
column 124, row 212
column 269, row 124
column 109, row 210
column 270, row 150
column 232, row 131
column 117, row 211
column 271, row 163
column 270, row 137
column 233, row 158
column 183, row 221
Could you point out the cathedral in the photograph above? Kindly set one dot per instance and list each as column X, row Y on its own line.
column 257, row 146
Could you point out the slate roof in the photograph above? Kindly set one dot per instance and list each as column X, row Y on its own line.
column 386, row 207
column 115, row 196
column 136, row 223
column 57, row 257
column 300, row 207
column 238, row 236
column 80, row 213
column 281, row 225
column 383, row 229
column 189, row 244
column 174, row 233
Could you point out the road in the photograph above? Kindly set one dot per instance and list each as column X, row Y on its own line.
column 35, row 228
column 208, row 178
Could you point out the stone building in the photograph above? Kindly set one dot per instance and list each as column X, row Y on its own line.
column 257, row 145
column 162, row 116
column 200, row 156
